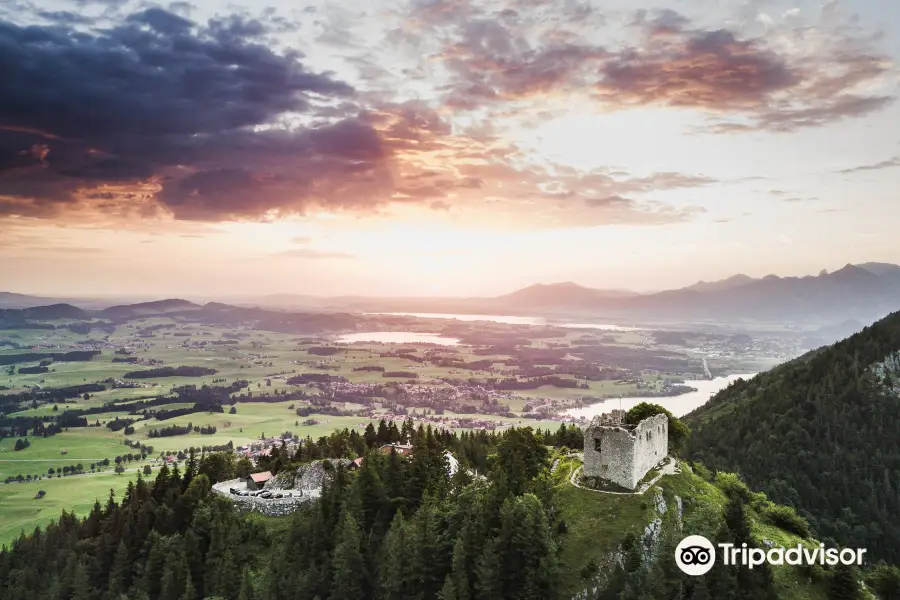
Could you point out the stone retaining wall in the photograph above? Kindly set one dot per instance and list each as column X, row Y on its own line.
column 271, row 507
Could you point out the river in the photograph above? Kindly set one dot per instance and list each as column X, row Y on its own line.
column 678, row 405
column 512, row 320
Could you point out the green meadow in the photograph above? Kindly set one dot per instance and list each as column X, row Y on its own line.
column 21, row 511
column 264, row 359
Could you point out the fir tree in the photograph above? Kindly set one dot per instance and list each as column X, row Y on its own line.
column 348, row 579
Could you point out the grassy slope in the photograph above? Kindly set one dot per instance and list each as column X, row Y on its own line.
column 598, row 524
column 74, row 494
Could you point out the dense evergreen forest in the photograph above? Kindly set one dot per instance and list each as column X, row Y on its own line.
column 396, row 528
column 819, row 433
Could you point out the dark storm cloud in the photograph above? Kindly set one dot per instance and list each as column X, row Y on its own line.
column 168, row 79
column 160, row 114
column 162, row 101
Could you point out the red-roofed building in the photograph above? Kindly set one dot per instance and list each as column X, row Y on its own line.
column 256, row 481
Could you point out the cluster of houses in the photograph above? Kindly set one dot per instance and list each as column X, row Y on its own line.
column 442, row 394
column 118, row 383
column 265, row 446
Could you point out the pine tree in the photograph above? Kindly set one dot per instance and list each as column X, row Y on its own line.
column 372, row 497
column 120, row 575
column 153, row 570
column 215, row 559
column 348, row 580
column 392, row 576
column 81, row 584
column 190, row 592
column 490, row 574
column 448, row 592
column 246, row 591
column 843, row 584
column 429, row 561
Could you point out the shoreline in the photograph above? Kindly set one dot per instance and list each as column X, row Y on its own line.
column 678, row 404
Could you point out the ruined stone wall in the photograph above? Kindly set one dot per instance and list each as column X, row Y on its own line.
column 615, row 458
column 626, row 454
column 651, row 444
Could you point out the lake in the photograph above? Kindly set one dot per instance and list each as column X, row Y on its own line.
column 397, row 337
column 512, row 320
column 677, row 405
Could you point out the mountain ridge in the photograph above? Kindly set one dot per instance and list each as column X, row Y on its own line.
column 817, row 433
column 863, row 293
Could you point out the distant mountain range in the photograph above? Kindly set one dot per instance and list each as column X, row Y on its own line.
column 854, row 294
column 851, row 295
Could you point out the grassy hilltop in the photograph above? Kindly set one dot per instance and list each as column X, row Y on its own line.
column 604, row 528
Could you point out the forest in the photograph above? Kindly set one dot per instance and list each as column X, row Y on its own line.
column 397, row 528
column 74, row 356
column 818, row 433
column 170, row 372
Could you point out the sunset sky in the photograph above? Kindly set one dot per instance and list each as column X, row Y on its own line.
column 442, row 147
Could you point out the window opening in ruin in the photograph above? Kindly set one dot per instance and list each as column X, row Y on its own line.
column 597, row 444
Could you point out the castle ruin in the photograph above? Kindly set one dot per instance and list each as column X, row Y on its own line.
column 623, row 453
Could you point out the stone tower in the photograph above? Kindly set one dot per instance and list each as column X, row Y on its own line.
column 622, row 453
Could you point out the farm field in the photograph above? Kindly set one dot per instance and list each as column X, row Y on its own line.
column 20, row 511
column 345, row 387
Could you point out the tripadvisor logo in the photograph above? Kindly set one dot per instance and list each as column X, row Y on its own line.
column 695, row 555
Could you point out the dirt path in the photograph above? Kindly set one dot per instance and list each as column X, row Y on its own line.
column 670, row 467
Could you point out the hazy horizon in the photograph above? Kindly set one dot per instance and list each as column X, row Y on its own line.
column 454, row 148
column 248, row 297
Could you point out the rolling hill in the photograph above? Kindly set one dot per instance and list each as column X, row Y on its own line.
column 560, row 295
column 147, row 308
column 51, row 312
column 819, row 433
